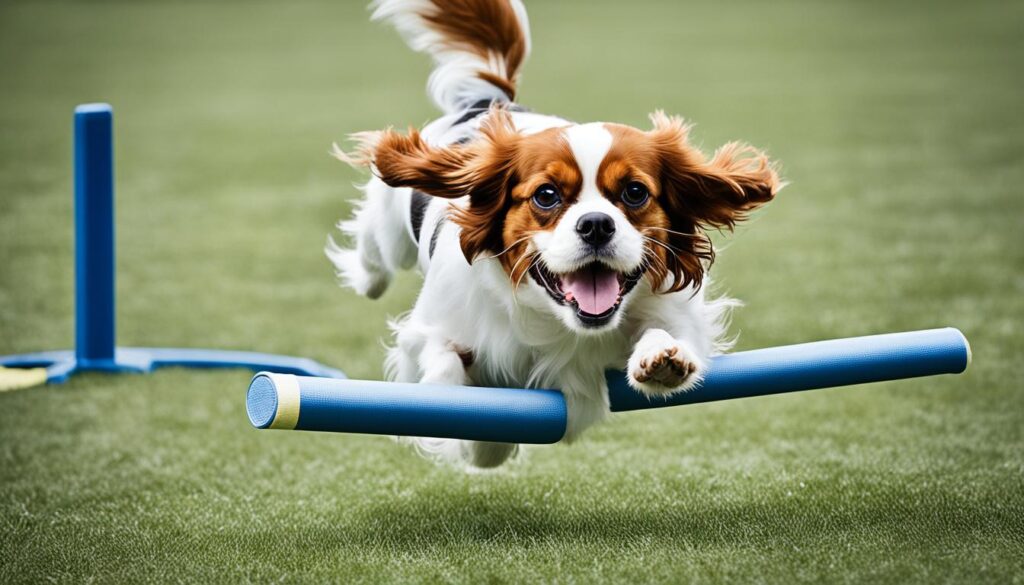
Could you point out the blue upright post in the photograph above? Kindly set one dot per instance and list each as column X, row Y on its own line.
column 94, row 236
column 95, row 347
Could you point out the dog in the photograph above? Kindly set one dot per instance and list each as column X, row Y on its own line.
column 550, row 250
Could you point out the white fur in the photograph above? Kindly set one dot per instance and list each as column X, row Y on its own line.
column 561, row 249
column 510, row 330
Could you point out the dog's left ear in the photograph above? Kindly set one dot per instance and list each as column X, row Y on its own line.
column 714, row 193
column 481, row 169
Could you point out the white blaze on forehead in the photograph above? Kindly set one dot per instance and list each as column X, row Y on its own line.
column 590, row 144
column 562, row 249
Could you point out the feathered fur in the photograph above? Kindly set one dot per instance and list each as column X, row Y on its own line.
column 502, row 303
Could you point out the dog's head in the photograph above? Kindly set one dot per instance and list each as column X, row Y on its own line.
column 582, row 213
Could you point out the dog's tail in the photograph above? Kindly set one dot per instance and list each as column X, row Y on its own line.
column 478, row 46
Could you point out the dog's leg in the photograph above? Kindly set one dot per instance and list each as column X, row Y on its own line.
column 662, row 364
column 584, row 410
column 401, row 363
column 674, row 341
column 380, row 243
column 586, row 396
column 443, row 362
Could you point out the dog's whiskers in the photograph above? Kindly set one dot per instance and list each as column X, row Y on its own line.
column 515, row 288
column 533, row 262
column 669, row 247
column 523, row 256
column 683, row 234
column 649, row 255
column 512, row 245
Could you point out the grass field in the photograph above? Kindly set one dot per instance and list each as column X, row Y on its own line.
column 899, row 125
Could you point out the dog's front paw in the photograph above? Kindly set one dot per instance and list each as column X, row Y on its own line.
column 661, row 365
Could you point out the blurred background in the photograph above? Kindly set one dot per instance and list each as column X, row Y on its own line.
column 898, row 125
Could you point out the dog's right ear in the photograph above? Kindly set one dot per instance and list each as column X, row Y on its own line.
column 481, row 169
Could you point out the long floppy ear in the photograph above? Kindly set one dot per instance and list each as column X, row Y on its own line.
column 700, row 194
column 408, row 161
column 716, row 193
column 481, row 169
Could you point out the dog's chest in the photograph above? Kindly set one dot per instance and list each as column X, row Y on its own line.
column 574, row 366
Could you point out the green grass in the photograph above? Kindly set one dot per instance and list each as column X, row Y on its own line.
column 900, row 128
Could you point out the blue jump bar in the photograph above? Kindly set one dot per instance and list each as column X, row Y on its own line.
column 94, row 235
column 810, row 366
column 282, row 401
column 304, row 403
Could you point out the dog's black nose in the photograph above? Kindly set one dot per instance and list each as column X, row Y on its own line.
column 596, row 228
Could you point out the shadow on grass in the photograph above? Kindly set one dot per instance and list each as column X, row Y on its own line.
column 434, row 519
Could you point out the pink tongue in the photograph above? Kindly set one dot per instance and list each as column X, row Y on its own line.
column 595, row 289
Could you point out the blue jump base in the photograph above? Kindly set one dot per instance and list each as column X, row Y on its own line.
column 95, row 348
column 62, row 364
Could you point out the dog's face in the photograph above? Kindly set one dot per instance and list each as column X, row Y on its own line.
column 582, row 213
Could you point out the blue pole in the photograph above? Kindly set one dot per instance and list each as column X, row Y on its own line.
column 506, row 415
column 94, row 235
column 284, row 401
column 809, row 366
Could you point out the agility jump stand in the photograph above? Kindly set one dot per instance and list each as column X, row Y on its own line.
column 95, row 348
column 301, row 394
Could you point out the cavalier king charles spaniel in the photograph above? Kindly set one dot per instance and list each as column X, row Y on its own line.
column 550, row 250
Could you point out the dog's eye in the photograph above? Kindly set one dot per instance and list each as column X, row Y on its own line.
column 635, row 194
column 546, row 197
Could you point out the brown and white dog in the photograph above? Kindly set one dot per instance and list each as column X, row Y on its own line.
column 550, row 250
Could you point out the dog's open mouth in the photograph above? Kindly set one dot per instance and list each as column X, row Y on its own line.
column 595, row 290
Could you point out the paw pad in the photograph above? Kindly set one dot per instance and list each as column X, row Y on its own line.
column 666, row 368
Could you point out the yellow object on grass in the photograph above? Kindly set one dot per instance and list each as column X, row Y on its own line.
column 18, row 378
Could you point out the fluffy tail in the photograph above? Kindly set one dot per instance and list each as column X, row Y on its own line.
column 478, row 46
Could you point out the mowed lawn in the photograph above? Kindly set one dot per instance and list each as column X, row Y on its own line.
column 900, row 129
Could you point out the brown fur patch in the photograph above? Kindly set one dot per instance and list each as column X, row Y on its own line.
column 688, row 194
column 542, row 158
column 499, row 171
